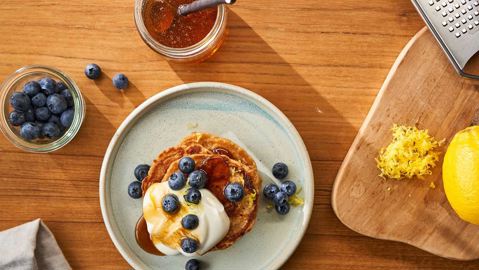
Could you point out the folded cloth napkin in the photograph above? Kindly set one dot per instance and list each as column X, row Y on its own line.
column 30, row 246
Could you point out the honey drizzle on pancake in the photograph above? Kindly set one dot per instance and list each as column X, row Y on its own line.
column 143, row 238
column 164, row 235
column 222, row 151
column 218, row 173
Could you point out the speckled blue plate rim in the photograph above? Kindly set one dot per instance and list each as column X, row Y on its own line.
column 122, row 130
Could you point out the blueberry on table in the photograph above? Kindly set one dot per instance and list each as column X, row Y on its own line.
column 234, row 192
column 31, row 88
column 66, row 118
column 280, row 198
column 120, row 81
column 39, row 100
column 30, row 115
column 56, row 103
column 193, row 195
column 30, row 131
column 61, row 86
column 270, row 190
column 288, row 187
column 92, row 71
column 190, row 222
column 134, row 190
column 16, row 118
column 68, row 97
column 48, row 85
column 197, row 179
column 177, row 181
column 189, row 245
column 186, row 165
column 42, row 113
column 51, row 130
column 282, row 209
column 170, row 203
column 20, row 101
column 280, row 170
column 192, row 264
column 141, row 171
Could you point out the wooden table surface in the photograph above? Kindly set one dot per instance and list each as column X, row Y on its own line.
column 322, row 65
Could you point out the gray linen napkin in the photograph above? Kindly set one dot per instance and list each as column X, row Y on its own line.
column 30, row 246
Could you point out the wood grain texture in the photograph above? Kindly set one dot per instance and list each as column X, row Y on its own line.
column 322, row 65
column 422, row 89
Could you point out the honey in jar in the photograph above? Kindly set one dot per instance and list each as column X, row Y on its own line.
column 170, row 29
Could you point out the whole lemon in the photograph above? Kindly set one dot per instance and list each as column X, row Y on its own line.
column 460, row 172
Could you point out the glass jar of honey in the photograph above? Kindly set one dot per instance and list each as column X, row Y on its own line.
column 191, row 38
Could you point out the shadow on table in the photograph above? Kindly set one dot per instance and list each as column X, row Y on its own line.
column 104, row 83
column 246, row 59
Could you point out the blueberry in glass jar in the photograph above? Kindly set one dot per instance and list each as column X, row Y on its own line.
column 31, row 88
column 20, row 101
column 56, row 103
column 16, row 118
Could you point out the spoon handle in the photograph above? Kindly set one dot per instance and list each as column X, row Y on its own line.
column 198, row 5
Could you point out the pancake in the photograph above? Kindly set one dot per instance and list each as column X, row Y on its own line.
column 220, row 146
column 224, row 162
column 222, row 170
column 195, row 143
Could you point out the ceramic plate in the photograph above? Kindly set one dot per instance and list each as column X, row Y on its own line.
column 221, row 109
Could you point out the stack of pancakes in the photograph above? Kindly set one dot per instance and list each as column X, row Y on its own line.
column 224, row 162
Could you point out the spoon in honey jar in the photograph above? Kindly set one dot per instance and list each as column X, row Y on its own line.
column 186, row 9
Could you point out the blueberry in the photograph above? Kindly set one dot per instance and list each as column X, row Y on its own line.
column 190, row 222
column 30, row 115
column 120, row 81
column 48, row 85
column 134, row 190
column 68, row 97
column 56, row 103
column 42, row 114
column 40, row 126
column 20, row 101
column 141, row 171
column 16, row 118
column 234, row 192
column 282, row 209
column 92, row 71
column 197, row 179
column 193, row 195
column 67, row 118
column 189, row 245
column 39, row 100
column 280, row 198
column 61, row 86
column 192, row 264
column 31, row 88
column 280, row 170
column 186, row 165
column 56, row 120
column 30, row 131
column 177, row 181
column 51, row 130
column 270, row 190
column 170, row 203
column 288, row 187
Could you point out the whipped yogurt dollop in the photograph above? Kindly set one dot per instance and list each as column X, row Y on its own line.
column 166, row 230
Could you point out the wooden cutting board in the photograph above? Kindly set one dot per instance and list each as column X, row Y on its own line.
column 421, row 89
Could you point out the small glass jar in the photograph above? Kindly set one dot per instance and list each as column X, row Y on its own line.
column 195, row 53
column 14, row 83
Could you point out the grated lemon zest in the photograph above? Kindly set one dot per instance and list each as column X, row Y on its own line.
column 412, row 152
